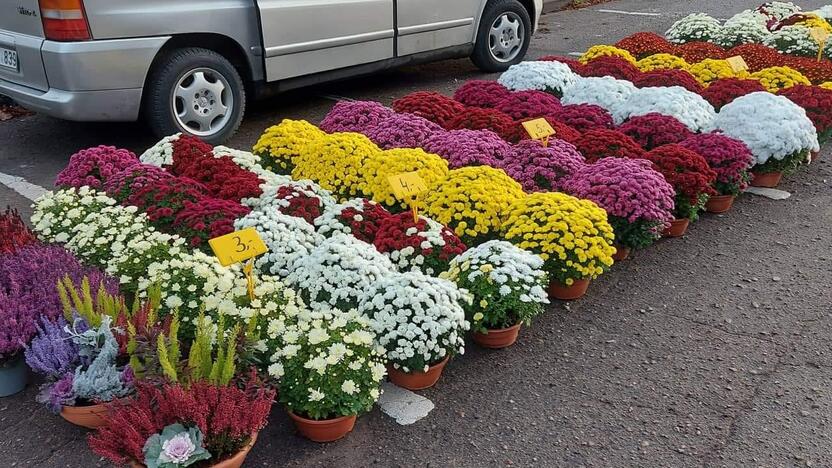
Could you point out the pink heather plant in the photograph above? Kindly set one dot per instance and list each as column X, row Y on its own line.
column 354, row 116
column 94, row 166
column 402, row 131
column 468, row 148
column 653, row 130
column 638, row 199
column 584, row 117
column 543, row 169
column 728, row 157
column 481, row 93
column 531, row 104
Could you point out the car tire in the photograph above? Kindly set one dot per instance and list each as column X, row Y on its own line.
column 197, row 92
column 498, row 45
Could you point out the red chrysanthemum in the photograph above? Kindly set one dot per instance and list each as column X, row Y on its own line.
column 572, row 63
column 643, row 44
column 223, row 177
column 163, row 199
column 532, row 104
column 433, row 106
column 584, row 117
column 188, row 150
column 817, row 102
column 725, row 90
column 653, row 130
column 608, row 65
column 816, row 72
column 200, row 221
column 605, row 143
column 364, row 223
column 475, row 118
column 668, row 77
column 424, row 244
column 299, row 204
column 686, row 171
column 481, row 93
column 757, row 56
column 694, row 52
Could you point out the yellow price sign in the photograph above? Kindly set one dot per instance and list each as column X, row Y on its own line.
column 238, row 246
column 737, row 63
column 407, row 186
column 539, row 129
column 819, row 34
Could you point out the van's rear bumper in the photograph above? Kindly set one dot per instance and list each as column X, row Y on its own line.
column 98, row 80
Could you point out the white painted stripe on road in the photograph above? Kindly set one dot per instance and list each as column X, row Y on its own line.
column 575, row 54
column 403, row 405
column 336, row 98
column 634, row 13
column 22, row 186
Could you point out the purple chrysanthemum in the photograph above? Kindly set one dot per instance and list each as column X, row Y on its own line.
column 94, row 166
column 354, row 116
column 468, row 148
column 543, row 169
column 402, row 131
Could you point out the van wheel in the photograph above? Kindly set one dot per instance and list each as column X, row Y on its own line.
column 195, row 91
column 503, row 37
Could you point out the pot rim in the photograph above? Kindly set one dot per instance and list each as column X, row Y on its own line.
column 498, row 330
column 319, row 422
column 431, row 367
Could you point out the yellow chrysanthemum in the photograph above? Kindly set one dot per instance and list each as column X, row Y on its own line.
column 280, row 144
column 826, row 85
column 572, row 235
column 776, row 78
column 377, row 170
column 602, row 50
column 662, row 62
column 710, row 70
column 336, row 162
column 472, row 201
column 814, row 21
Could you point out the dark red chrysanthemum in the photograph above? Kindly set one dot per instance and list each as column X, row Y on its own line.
column 605, row 143
column 433, row 106
column 668, row 77
column 725, row 90
column 643, row 44
column 694, row 52
column 608, row 65
column 653, row 130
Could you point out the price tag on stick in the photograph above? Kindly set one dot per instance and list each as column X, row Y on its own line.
column 737, row 63
column 407, row 187
column 238, row 246
column 820, row 36
column 539, row 129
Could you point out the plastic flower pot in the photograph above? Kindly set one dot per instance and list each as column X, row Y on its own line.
column 498, row 338
column 621, row 253
column 91, row 416
column 327, row 430
column 678, row 228
column 766, row 179
column 560, row 291
column 417, row 380
column 14, row 375
column 235, row 461
column 720, row 203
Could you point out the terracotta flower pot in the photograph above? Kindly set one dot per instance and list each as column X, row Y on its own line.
column 766, row 179
column 14, row 375
column 91, row 416
column 417, row 380
column 498, row 338
column 815, row 155
column 720, row 203
column 235, row 461
column 678, row 228
column 327, row 430
column 621, row 253
column 560, row 291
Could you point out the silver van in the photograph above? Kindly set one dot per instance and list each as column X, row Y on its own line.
column 190, row 65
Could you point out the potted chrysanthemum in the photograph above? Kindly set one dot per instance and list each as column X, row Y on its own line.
column 507, row 284
column 730, row 159
column 420, row 321
column 572, row 236
column 422, row 245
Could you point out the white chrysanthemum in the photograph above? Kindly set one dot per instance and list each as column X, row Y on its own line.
column 689, row 108
column 604, row 91
column 771, row 126
column 778, row 10
column 329, row 222
column 694, row 27
column 268, row 200
column 287, row 237
column 747, row 27
column 795, row 40
column 160, row 154
column 824, row 12
column 552, row 77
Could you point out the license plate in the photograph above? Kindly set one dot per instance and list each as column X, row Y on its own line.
column 8, row 58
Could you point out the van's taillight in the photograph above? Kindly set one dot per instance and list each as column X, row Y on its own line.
column 64, row 20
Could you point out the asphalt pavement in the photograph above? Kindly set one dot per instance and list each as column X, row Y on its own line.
column 710, row 350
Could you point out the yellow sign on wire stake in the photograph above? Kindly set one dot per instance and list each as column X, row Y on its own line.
column 737, row 63
column 820, row 35
column 407, row 187
column 238, row 246
column 539, row 129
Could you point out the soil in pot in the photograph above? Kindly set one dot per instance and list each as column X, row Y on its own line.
column 235, row 461
column 560, row 291
column 417, row 380
column 678, row 228
column 720, row 203
column 327, row 430
column 766, row 179
column 14, row 375
column 621, row 253
column 498, row 338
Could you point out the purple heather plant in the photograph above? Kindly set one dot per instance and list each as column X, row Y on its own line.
column 354, row 116
column 468, row 148
column 542, row 169
column 402, row 131
column 17, row 327
column 728, row 157
column 637, row 198
column 94, row 166
column 52, row 352
column 134, row 178
column 30, row 276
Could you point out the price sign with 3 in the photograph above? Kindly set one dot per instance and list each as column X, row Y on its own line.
column 238, row 246
column 407, row 186
column 538, row 129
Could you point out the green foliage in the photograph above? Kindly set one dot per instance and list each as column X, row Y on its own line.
column 787, row 165
column 685, row 209
column 635, row 235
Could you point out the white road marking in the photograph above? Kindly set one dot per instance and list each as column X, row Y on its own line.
column 634, row 13
column 22, row 186
column 774, row 194
column 403, row 405
column 575, row 54
column 336, row 98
